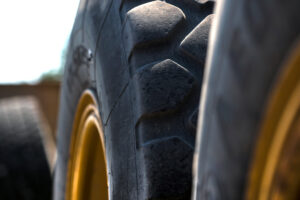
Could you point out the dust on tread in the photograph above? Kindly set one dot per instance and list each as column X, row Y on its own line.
column 150, row 22
column 194, row 44
column 162, row 86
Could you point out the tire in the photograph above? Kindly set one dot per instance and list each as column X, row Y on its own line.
column 144, row 59
column 250, row 43
column 24, row 169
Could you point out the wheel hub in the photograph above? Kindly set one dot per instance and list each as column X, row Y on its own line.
column 87, row 170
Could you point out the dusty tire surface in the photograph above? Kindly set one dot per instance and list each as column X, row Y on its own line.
column 251, row 41
column 24, row 169
column 145, row 60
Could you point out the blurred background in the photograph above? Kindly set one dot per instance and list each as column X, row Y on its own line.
column 33, row 45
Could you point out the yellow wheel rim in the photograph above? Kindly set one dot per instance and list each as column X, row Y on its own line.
column 275, row 171
column 87, row 171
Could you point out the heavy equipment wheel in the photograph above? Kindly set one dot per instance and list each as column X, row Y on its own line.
column 248, row 138
column 130, row 98
column 24, row 167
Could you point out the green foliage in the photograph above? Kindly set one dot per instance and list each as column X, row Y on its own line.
column 52, row 76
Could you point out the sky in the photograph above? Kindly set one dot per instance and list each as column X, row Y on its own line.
column 33, row 34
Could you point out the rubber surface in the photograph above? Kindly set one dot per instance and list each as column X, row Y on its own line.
column 250, row 41
column 145, row 61
column 24, row 170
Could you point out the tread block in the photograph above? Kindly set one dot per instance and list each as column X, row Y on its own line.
column 195, row 43
column 154, row 129
column 150, row 22
column 162, row 86
column 166, row 173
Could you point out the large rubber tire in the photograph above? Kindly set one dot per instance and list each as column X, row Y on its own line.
column 145, row 61
column 24, row 169
column 249, row 44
